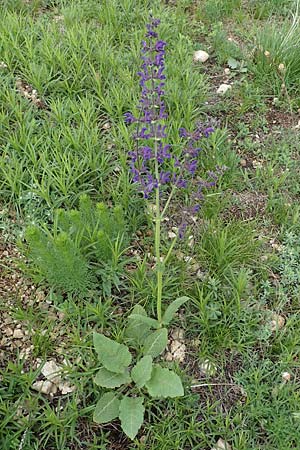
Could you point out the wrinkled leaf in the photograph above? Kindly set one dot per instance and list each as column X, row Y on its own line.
column 156, row 342
column 232, row 63
column 153, row 323
column 172, row 309
column 137, row 330
column 138, row 309
column 164, row 383
column 114, row 356
column 131, row 415
column 107, row 408
column 107, row 379
column 142, row 371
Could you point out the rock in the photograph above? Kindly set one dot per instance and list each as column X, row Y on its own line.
column 177, row 350
column 286, row 376
column 45, row 387
column 52, row 371
column 222, row 445
column 66, row 388
column 277, row 322
column 201, row 56
column 178, row 334
column 171, row 235
column 223, row 88
column 298, row 124
column 18, row 334
column 227, row 71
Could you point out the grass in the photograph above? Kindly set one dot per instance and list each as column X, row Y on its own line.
column 68, row 74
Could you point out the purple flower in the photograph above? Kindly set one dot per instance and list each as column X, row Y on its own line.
column 154, row 164
column 160, row 46
column 183, row 132
column 208, row 131
column 147, row 152
column 129, row 118
column 164, row 177
column 182, row 229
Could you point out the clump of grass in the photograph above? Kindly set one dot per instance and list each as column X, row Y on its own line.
column 262, row 9
column 226, row 248
column 215, row 10
column 277, row 57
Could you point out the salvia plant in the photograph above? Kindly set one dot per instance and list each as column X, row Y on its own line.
column 159, row 174
column 158, row 171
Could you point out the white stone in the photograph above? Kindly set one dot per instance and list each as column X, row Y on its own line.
column 222, row 445
column 172, row 235
column 223, row 88
column 201, row 56
column 286, row 376
column 44, row 387
column 277, row 322
column 177, row 350
column 66, row 388
column 18, row 334
column 52, row 371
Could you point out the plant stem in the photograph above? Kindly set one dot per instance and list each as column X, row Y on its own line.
column 159, row 270
column 168, row 201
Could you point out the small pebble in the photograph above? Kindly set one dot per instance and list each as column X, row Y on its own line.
column 286, row 376
column 223, row 88
column 18, row 334
column 201, row 56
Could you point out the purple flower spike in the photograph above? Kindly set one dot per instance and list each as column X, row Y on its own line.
column 153, row 164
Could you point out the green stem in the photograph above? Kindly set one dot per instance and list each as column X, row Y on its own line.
column 168, row 202
column 170, row 250
column 159, row 267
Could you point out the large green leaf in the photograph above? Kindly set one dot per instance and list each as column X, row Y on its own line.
column 137, row 330
column 138, row 309
column 164, row 383
column 153, row 323
column 114, row 356
column 131, row 415
column 107, row 408
column 156, row 342
column 172, row 309
column 142, row 371
column 107, row 379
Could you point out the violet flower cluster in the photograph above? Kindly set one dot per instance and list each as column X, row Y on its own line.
column 153, row 165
